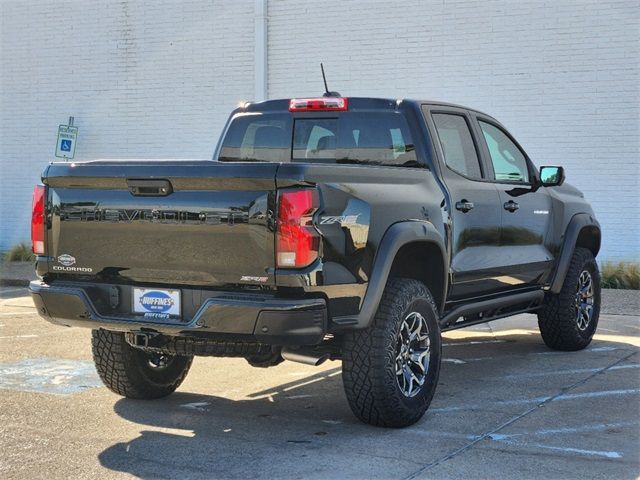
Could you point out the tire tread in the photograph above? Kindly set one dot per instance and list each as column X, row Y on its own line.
column 365, row 356
column 117, row 365
column 556, row 319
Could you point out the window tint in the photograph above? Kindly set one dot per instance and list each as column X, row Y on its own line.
column 380, row 138
column 257, row 137
column 509, row 163
column 457, row 144
column 315, row 139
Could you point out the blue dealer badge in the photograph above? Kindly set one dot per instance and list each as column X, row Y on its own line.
column 157, row 302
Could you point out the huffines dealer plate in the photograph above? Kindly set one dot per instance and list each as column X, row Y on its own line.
column 156, row 303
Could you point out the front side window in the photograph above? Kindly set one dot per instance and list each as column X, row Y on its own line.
column 509, row 163
column 459, row 151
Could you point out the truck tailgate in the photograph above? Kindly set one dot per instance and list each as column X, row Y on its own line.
column 211, row 225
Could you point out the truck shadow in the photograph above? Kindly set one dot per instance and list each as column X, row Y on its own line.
column 195, row 435
column 296, row 428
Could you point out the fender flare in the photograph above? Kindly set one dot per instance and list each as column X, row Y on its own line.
column 577, row 223
column 396, row 236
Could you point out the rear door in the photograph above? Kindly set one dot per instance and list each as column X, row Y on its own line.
column 475, row 213
column 525, row 209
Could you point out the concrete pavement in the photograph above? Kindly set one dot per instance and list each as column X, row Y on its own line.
column 506, row 406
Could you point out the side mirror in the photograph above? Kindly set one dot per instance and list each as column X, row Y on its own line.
column 551, row 176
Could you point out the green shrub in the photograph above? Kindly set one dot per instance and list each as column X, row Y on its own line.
column 20, row 253
column 620, row 275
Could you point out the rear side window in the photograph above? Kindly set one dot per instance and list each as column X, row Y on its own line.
column 378, row 138
column 458, row 148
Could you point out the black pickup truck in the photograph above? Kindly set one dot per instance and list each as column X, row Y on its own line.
column 324, row 228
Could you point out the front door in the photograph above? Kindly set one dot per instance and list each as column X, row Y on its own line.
column 525, row 209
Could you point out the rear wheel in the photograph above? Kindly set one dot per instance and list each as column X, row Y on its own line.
column 568, row 320
column 134, row 373
column 390, row 370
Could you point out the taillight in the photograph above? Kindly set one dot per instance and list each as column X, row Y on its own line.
column 322, row 104
column 37, row 220
column 297, row 241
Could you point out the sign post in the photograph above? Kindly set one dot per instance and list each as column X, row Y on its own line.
column 67, row 135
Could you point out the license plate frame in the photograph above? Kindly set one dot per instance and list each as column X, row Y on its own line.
column 157, row 303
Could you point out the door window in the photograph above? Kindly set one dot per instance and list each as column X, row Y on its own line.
column 509, row 163
column 459, row 151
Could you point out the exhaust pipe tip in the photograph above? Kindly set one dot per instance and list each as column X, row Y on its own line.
column 308, row 358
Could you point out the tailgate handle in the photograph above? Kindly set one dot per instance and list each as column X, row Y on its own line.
column 149, row 188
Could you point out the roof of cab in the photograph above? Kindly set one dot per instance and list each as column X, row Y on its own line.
column 356, row 103
column 452, row 105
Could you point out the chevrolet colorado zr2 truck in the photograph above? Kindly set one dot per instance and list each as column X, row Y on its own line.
column 356, row 229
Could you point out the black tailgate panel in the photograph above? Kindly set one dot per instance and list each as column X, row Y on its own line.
column 215, row 228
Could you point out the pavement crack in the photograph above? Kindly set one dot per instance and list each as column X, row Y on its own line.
column 511, row 421
column 493, row 334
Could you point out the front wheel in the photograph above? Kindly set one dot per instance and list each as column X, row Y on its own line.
column 568, row 319
column 390, row 370
column 134, row 373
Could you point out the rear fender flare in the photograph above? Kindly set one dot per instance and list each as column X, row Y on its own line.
column 396, row 236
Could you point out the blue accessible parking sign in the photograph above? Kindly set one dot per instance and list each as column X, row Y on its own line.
column 66, row 146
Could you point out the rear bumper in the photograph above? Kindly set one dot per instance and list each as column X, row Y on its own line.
column 262, row 318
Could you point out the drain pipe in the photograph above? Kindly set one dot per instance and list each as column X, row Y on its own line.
column 260, row 50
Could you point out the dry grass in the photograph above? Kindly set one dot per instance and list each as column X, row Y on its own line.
column 20, row 253
column 623, row 275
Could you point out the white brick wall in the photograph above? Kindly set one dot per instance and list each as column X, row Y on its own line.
column 153, row 79
column 157, row 79
column 562, row 75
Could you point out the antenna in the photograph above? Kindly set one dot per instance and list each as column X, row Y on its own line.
column 324, row 77
column 327, row 93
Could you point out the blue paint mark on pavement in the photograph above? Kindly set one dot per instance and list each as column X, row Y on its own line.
column 49, row 375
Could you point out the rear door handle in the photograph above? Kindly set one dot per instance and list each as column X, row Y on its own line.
column 464, row 205
column 511, row 206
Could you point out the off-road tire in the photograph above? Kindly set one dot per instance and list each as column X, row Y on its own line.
column 265, row 360
column 369, row 356
column 557, row 317
column 126, row 371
